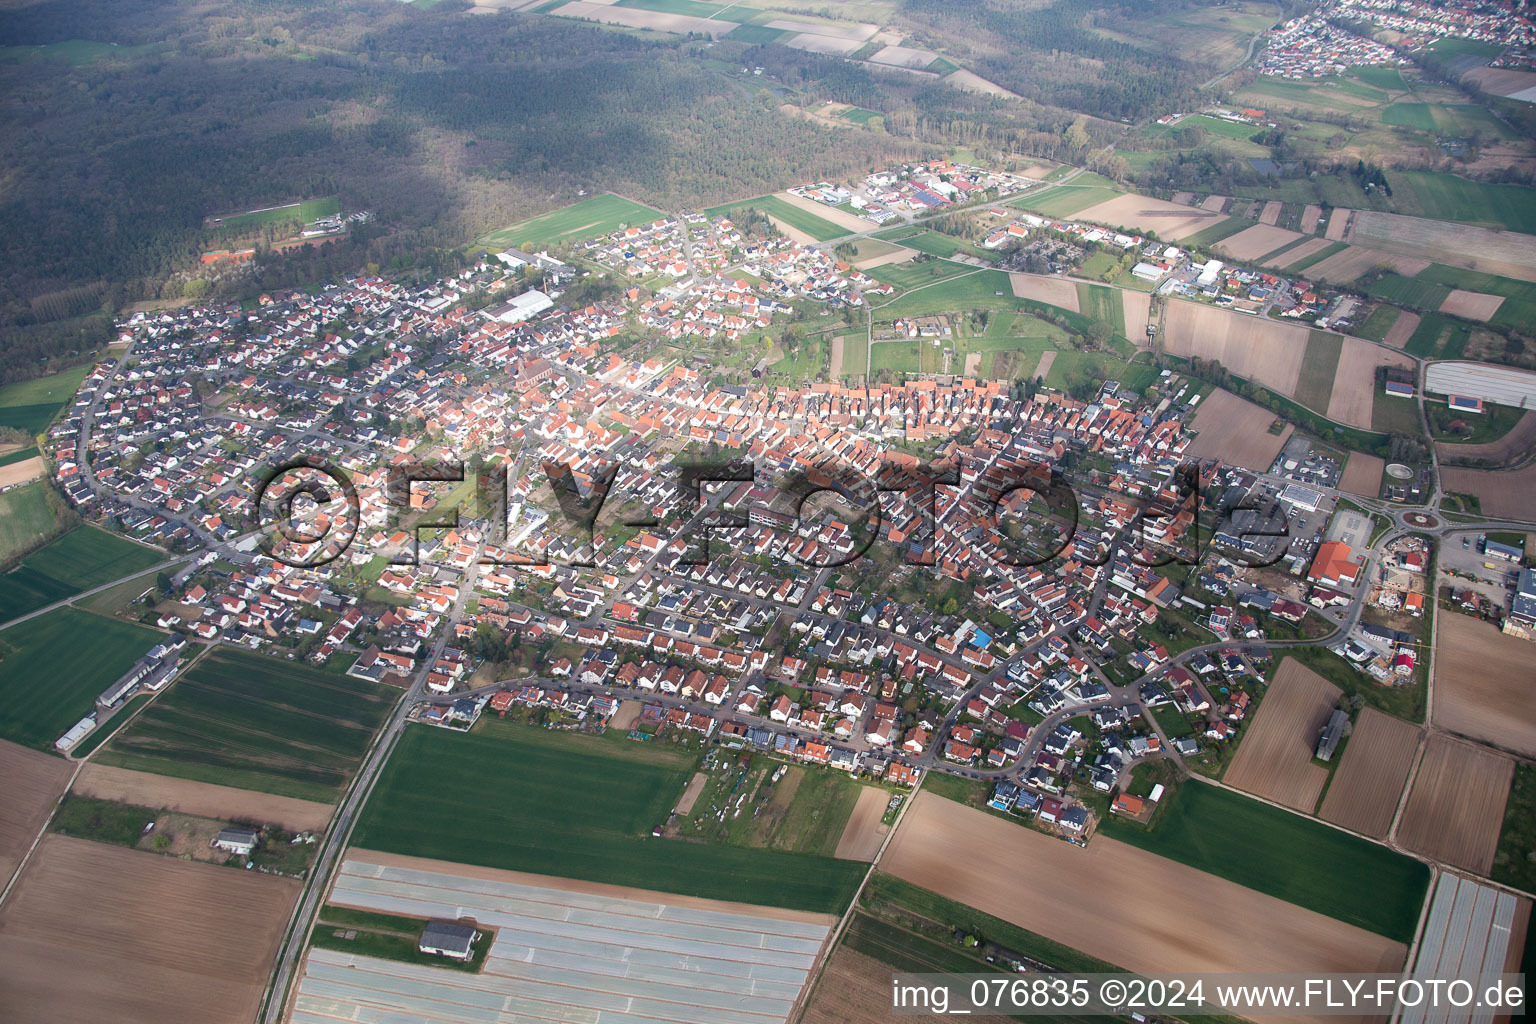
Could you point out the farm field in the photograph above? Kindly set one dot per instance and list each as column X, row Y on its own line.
column 62, row 921
column 815, row 225
column 24, row 519
column 1507, row 253
column 1122, row 905
column 863, row 833
column 1274, row 756
column 31, row 405
column 1170, row 221
column 1403, row 328
column 849, row 222
column 81, row 559
column 1355, row 393
column 967, row 290
column 1251, row 245
column 1136, row 308
column 1064, row 200
column 599, row 215
column 1447, row 197
column 1100, row 302
column 1520, row 440
column 1285, row 855
column 1502, row 494
column 1362, row 474
column 1472, row 305
column 1369, row 780
column 53, row 667
column 562, row 806
column 34, row 781
column 1264, row 351
column 206, row 800
column 1053, row 291
column 1236, row 431
column 249, row 721
column 1319, row 368
column 1483, row 683
column 1456, row 807
column 1352, row 261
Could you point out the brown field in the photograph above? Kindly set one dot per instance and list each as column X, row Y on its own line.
column 1472, row 305
column 21, row 472
column 885, row 259
column 1271, row 212
column 835, row 363
column 1501, row 81
column 626, row 716
column 1362, row 475
column 864, row 833
column 1047, row 359
column 1236, row 431
column 634, row 17
column 1456, row 809
column 1521, row 440
column 691, row 793
column 1349, row 263
column 1368, row 782
column 1053, row 291
column 1338, row 224
column 1506, row 253
column 1260, row 240
column 1121, row 904
column 1402, row 329
column 1215, row 204
column 856, row 989
column 1504, row 494
column 791, row 232
column 970, row 81
column 139, row 937
column 1484, row 681
column 1171, row 221
column 104, row 782
column 35, row 781
column 1354, row 387
column 1297, row 253
column 1263, row 350
column 1309, row 218
column 1274, row 758
column 842, row 218
column 1138, row 310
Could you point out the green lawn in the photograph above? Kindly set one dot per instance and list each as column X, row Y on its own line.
column 24, row 518
column 526, row 799
column 76, row 52
column 1447, row 197
column 818, row 228
column 307, row 211
column 858, row 115
column 247, row 720
column 1286, row 855
column 598, row 215
column 984, row 289
column 756, row 34
column 1065, row 200
column 936, row 244
column 1378, row 324
column 1392, row 415
column 1101, row 302
column 1390, row 79
column 53, row 668
column 83, row 558
column 1314, row 385
column 31, row 405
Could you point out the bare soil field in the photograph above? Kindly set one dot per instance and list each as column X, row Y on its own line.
column 1472, row 305
column 1271, row 213
column 34, row 781
column 1137, row 307
column 970, row 81
column 1456, row 809
column 855, row 31
column 901, row 255
column 1484, row 680
column 1349, row 263
column 139, row 937
column 1338, row 224
column 904, row 56
column 864, row 833
column 1260, row 349
column 691, row 793
column 622, row 892
column 1260, row 240
column 1047, row 359
column 835, row 367
column 1362, row 475
column 1309, row 218
column 1053, row 291
column 1368, row 783
column 1123, row 905
column 627, row 715
column 813, row 42
column 1171, row 221
column 1501, row 81
column 1402, row 329
column 1504, row 494
column 1301, row 252
column 105, row 782
column 1236, row 431
column 972, row 364
column 842, row 218
column 1354, row 387
column 634, row 17
column 1521, row 440
column 1506, row 253
column 1215, row 204
column 1274, row 757
column 855, row 989
column 791, row 232
column 21, row 472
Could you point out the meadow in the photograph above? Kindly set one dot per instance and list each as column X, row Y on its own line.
column 818, row 228
column 524, row 799
column 30, row 405
column 1447, row 197
column 985, row 289
column 24, row 518
column 1285, row 855
column 83, row 558
column 246, row 720
column 1065, row 200
column 1314, row 385
column 598, row 215
column 52, row 670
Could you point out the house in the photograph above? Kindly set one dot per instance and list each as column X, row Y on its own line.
column 447, row 938
column 1334, row 565
column 236, row 840
column 1125, row 803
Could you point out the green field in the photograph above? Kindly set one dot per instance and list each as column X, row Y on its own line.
column 1100, row 302
column 308, row 211
column 1065, row 200
column 31, row 405
column 858, row 115
column 965, row 291
column 1286, row 855
column 818, row 228
column 1438, row 337
column 1518, row 309
column 1314, row 385
column 1376, row 326
column 1070, row 368
column 525, row 799
column 692, row 8
column 936, row 244
column 83, row 558
column 250, row 721
column 76, row 52
column 599, row 215
column 1447, row 197
column 53, row 668
column 756, row 34
column 1390, row 79
column 1297, row 266
column 1418, row 116
column 1392, row 415
column 1514, row 863
column 24, row 518
column 1224, row 228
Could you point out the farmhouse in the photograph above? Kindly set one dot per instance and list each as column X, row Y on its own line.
column 445, row 938
column 236, row 840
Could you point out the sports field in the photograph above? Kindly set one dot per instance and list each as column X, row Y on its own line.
column 249, row 721
column 525, row 799
column 52, row 668
column 819, row 228
column 30, row 405
column 599, row 215
column 308, row 211
column 83, row 558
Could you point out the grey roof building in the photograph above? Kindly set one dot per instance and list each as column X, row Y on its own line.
column 445, row 938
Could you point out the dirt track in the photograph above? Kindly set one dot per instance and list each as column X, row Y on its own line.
column 105, row 782
column 1456, row 809
column 1274, row 757
column 864, row 833
column 34, row 781
column 1123, row 905
column 94, row 932
column 1368, row 782
column 1484, row 681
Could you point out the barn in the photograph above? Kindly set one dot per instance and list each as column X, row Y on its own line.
column 446, row 938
